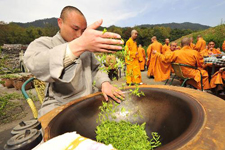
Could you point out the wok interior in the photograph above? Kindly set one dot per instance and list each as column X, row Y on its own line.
column 175, row 116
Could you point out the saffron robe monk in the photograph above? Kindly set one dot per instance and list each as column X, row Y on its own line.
column 166, row 46
column 151, row 62
column 223, row 46
column 211, row 50
column 190, row 57
column 192, row 45
column 201, row 44
column 217, row 80
column 163, row 69
column 133, row 73
column 141, row 53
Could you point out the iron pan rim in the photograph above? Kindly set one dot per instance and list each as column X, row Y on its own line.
column 193, row 129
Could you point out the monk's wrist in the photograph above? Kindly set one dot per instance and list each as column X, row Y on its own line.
column 76, row 47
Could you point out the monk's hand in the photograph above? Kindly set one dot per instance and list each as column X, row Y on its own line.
column 221, row 69
column 113, row 92
column 154, row 51
column 97, row 41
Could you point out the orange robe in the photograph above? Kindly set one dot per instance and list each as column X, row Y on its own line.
column 190, row 57
column 223, row 46
column 152, row 58
column 141, row 53
column 162, row 69
column 165, row 48
column 133, row 74
column 207, row 52
column 192, row 45
column 217, row 79
column 178, row 48
column 200, row 45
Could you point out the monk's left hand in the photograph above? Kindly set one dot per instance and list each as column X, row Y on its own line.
column 113, row 92
column 221, row 69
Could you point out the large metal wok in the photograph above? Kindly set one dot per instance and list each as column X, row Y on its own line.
column 177, row 116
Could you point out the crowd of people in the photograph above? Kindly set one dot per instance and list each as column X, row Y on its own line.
column 67, row 63
column 160, row 57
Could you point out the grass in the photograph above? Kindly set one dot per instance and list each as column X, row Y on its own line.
column 9, row 108
column 217, row 34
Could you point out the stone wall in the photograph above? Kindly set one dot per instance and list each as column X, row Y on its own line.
column 12, row 51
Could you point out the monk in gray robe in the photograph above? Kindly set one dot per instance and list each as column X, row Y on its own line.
column 66, row 62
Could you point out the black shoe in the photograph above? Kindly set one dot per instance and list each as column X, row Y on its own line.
column 130, row 84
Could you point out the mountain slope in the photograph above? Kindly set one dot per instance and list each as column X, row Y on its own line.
column 39, row 23
column 185, row 25
column 53, row 22
column 216, row 34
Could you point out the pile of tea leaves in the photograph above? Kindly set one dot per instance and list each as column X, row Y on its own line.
column 123, row 135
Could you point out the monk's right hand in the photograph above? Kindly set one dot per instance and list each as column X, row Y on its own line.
column 96, row 41
column 154, row 51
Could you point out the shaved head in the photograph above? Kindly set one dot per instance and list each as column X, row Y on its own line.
column 173, row 46
column 167, row 41
column 72, row 23
column 134, row 34
column 199, row 36
column 173, row 43
column 185, row 42
column 68, row 9
column 154, row 38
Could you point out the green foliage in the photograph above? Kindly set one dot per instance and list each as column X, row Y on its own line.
column 123, row 135
column 15, row 34
column 137, row 92
column 217, row 34
column 8, row 76
column 5, row 100
column 32, row 96
column 182, row 26
column 2, row 82
column 4, row 67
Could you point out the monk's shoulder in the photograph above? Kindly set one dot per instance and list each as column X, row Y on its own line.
column 193, row 52
column 42, row 41
column 128, row 41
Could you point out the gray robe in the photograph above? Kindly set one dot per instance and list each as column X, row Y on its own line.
column 44, row 59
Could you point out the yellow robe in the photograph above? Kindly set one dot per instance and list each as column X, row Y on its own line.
column 141, row 53
column 162, row 69
column 200, row 45
column 190, row 57
column 207, row 52
column 217, row 79
column 133, row 74
column 192, row 45
column 165, row 48
column 223, row 46
column 152, row 58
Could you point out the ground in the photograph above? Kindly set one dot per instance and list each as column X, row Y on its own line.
column 22, row 112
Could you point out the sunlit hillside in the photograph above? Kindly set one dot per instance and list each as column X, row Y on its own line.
column 216, row 34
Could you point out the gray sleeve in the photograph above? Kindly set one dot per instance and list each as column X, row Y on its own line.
column 45, row 61
column 98, row 75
